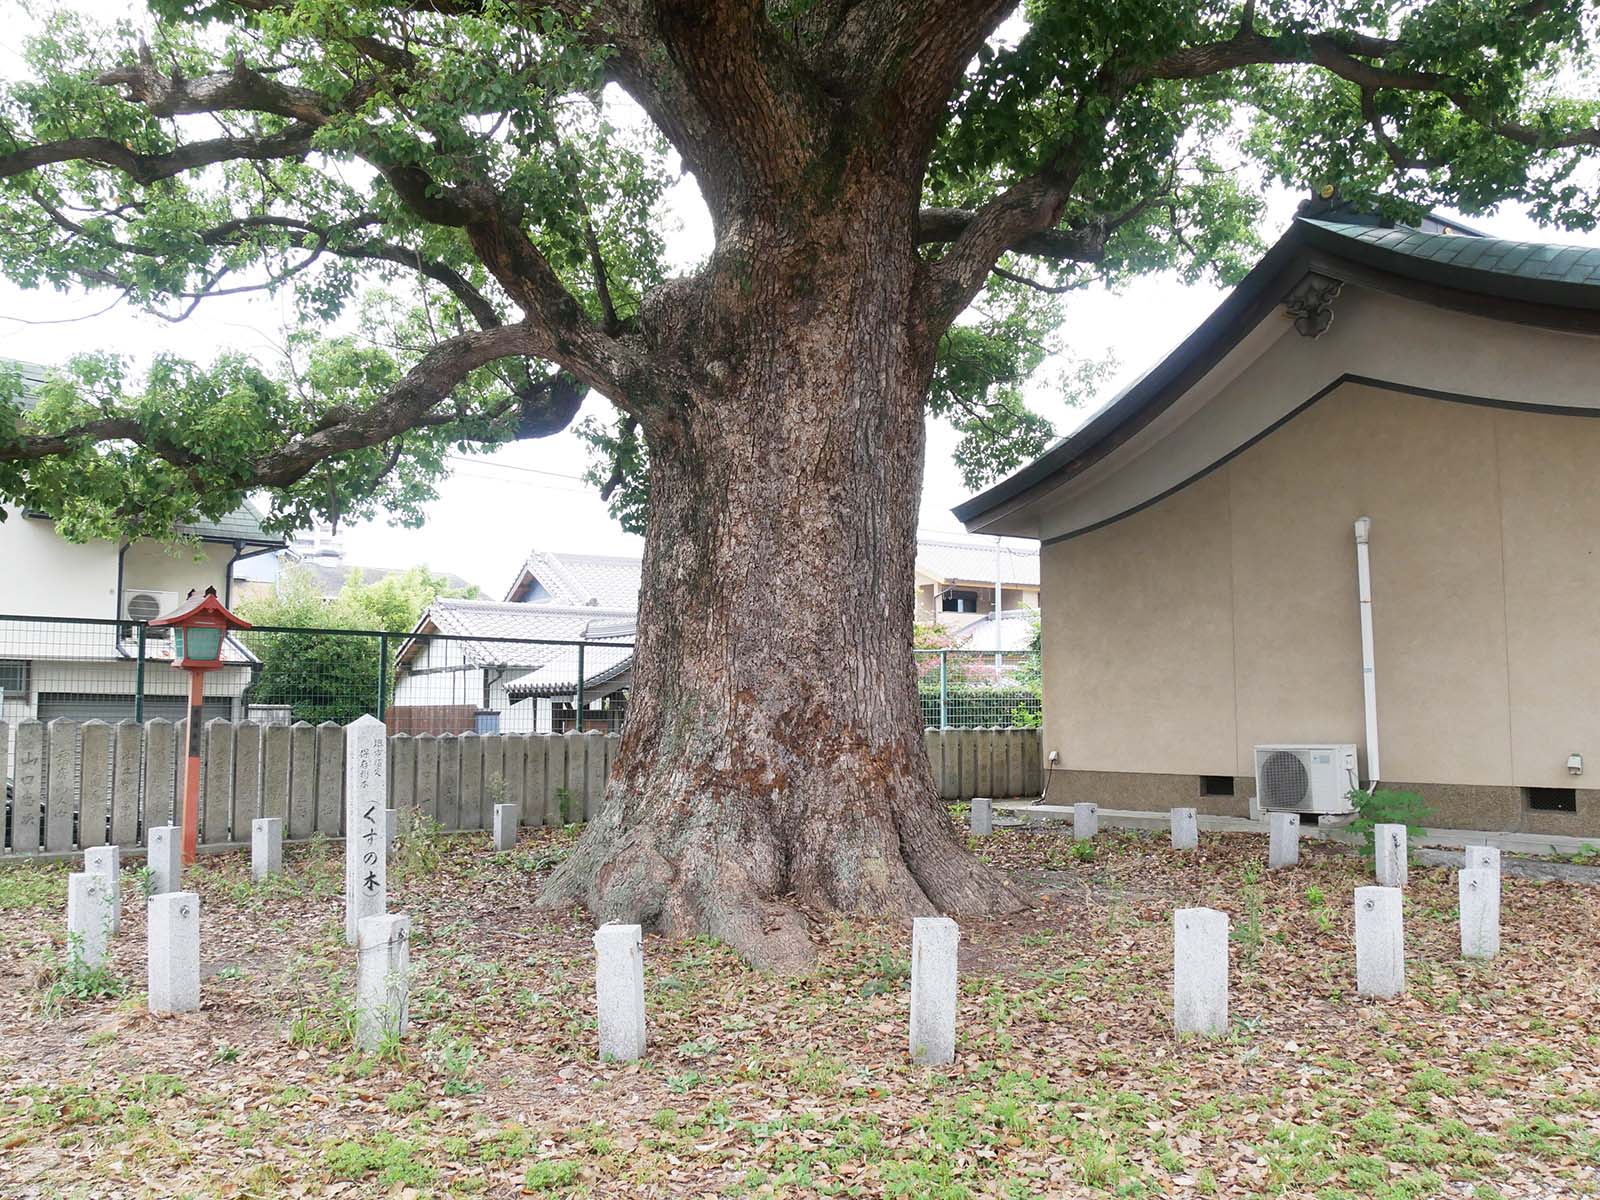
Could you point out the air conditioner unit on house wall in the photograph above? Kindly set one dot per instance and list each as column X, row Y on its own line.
column 1306, row 779
column 139, row 604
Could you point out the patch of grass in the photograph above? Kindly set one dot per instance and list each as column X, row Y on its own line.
column 32, row 885
column 551, row 1176
column 65, row 981
column 394, row 1161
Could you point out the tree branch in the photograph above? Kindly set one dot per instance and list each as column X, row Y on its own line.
column 293, row 142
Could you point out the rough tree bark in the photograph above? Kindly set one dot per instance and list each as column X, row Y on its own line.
column 772, row 760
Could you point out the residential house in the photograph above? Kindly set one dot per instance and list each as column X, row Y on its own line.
column 1200, row 536
column 319, row 553
column 486, row 664
column 955, row 587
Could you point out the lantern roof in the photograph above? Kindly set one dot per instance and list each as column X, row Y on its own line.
column 197, row 608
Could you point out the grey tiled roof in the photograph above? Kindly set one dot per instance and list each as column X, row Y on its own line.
column 332, row 576
column 602, row 666
column 243, row 524
column 973, row 560
column 598, row 580
column 496, row 619
column 1545, row 261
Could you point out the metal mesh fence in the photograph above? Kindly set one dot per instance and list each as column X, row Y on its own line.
column 89, row 669
column 966, row 689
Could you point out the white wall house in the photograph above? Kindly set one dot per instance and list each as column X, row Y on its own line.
column 63, row 649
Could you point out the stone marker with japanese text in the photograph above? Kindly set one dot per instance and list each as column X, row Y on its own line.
column 365, row 825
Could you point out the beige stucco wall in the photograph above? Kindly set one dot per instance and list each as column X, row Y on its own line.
column 151, row 566
column 1225, row 615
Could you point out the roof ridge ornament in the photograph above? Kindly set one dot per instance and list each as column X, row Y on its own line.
column 1310, row 303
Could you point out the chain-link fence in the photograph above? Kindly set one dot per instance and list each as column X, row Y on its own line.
column 90, row 669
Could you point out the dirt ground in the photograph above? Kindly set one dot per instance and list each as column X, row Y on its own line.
column 1483, row 1080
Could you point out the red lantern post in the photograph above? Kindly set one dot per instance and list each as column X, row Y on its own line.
column 198, row 629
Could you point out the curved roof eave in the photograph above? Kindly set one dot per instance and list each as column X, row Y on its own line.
column 1533, row 283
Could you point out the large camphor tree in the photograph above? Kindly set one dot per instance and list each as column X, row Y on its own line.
column 897, row 189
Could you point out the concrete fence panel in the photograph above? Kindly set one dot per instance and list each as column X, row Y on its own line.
column 81, row 785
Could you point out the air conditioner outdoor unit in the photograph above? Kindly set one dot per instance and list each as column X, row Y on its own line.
column 142, row 605
column 1306, row 779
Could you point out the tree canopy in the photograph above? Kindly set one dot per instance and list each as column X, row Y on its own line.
column 463, row 200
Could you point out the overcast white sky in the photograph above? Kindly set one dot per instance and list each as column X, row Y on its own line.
column 494, row 507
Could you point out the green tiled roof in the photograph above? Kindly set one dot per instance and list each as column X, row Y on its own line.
column 1532, row 261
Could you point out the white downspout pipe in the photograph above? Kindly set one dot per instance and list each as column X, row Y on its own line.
column 1369, row 681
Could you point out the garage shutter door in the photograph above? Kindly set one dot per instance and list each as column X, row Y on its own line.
column 88, row 706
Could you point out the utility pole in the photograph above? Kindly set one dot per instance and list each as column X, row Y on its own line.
column 999, row 633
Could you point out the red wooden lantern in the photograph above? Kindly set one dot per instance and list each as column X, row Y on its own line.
column 198, row 629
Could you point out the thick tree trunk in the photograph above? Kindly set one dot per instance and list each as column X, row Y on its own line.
column 772, row 759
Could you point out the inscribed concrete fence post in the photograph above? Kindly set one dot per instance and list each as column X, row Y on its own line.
column 514, row 747
column 275, row 771
column 505, row 826
column 61, row 801
column 216, row 794
column 494, row 770
column 160, row 774
column 28, row 787
column 302, row 780
column 383, row 979
column 1478, row 891
column 1200, row 971
column 89, row 917
column 1185, row 829
column 1033, row 763
column 127, row 757
column 366, row 794
column 402, row 772
column 968, row 741
column 94, row 785
column 1017, row 760
column 934, row 749
column 450, row 782
column 246, row 777
column 391, row 830
column 330, row 780
column 595, row 766
column 533, row 789
column 619, row 991
column 428, row 775
column 934, row 944
column 173, row 952
column 576, row 748
column 266, row 847
column 472, row 794
column 1380, row 942
column 1085, row 821
column 983, row 782
column 1389, row 850
column 1483, row 856
column 107, row 861
column 1283, row 840
column 981, row 816
column 164, row 858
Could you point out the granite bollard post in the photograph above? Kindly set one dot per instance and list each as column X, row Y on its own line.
column 1085, row 821
column 383, row 979
column 173, row 951
column 107, row 861
column 366, row 875
column 1389, row 855
column 1200, row 971
column 1478, row 889
column 266, row 847
column 1380, row 942
column 980, row 817
column 165, row 858
column 1483, row 856
column 619, row 991
column 1185, row 829
column 1283, row 840
column 89, row 916
column 934, row 943
column 505, row 826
